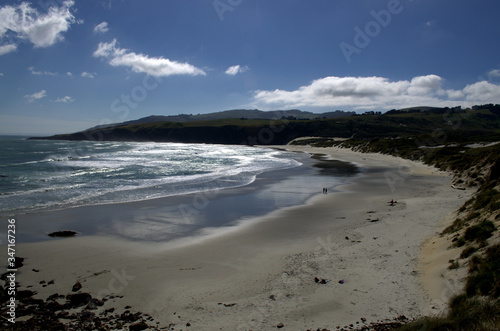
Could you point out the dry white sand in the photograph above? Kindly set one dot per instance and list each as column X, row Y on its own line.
column 261, row 273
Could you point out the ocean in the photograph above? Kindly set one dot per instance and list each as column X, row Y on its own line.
column 47, row 174
column 156, row 192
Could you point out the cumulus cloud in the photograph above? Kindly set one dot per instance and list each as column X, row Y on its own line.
column 88, row 74
column 155, row 66
column 377, row 92
column 494, row 73
column 26, row 23
column 4, row 49
column 482, row 92
column 66, row 99
column 38, row 73
column 101, row 27
column 236, row 70
column 36, row 96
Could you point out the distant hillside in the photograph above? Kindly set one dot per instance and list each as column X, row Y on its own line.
column 455, row 124
column 233, row 114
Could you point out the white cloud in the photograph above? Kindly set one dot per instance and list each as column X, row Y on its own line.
column 88, row 74
column 482, row 92
column 48, row 73
column 101, row 27
column 236, row 69
column 42, row 30
column 69, row 74
column 4, row 49
column 1, row 73
column 423, row 85
column 66, row 99
column 378, row 93
column 494, row 73
column 155, row 66
column 36, row 96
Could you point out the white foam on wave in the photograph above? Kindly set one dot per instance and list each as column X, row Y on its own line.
column 118, row 172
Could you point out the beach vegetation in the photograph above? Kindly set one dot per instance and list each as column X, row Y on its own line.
column 453, row 265
column 456, row 226
column 480, row 232
column 484, row 274
column 460, row 242
column 465, row 314
column 468, row 252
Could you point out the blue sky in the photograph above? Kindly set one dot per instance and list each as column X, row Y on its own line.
column 69, row 65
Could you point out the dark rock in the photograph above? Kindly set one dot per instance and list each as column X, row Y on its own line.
column 280, row 325
column 63, row 234
column 77, row 287
column 110, row 310
column 128, row 317
column 91, row 305
column 35, row 270
column 55, row 296
column 24, row 294
column 86, row 316
column 54, row 306
column 78, row 299
column 94, row 303
column 138, row 326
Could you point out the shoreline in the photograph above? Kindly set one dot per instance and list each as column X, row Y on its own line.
column 185, row 215
column 261, row 273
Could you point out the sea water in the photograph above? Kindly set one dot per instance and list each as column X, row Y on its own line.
column 48, row 174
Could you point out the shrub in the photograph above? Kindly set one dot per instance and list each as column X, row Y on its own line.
column 480, row 232
column 460, row 242
column 453, row 265
column 468, row 252
column 457, row 225
column 467, row 314
column 484, row 274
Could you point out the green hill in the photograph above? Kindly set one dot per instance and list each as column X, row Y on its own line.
column 428, row 125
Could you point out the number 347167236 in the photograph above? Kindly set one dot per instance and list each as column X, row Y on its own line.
column 11, row 239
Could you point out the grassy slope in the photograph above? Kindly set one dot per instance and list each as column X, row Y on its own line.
column 430, row 128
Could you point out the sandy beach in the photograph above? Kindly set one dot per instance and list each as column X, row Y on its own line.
column 378, row 259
